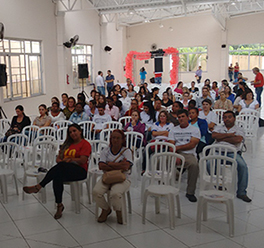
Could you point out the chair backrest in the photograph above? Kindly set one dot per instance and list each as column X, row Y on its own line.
column 44, row 153
column 158, row 147
column 219, row 116
column 61, row 135
column 97, row 147
column 124, row 120
column 165, row 165
column 134, row 141
column 47, row 131
column 19, row 138
column 87, row 127
column 250, row 112
column 249, row 121
column 177, row 96
column 217, row 149
column 62, row 123
column 105, row 135
column 218, row 172
column 4, row 125
column 31, row 132
column 9, row 152
column 112, row 125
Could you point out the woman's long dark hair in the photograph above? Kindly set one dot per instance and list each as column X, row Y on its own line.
column 152, row 113
column 45, row 107
column 21, row 108
column 69, row 140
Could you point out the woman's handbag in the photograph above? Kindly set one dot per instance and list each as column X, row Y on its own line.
column 114, row 176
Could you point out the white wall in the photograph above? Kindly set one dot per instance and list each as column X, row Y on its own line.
column 33, row 19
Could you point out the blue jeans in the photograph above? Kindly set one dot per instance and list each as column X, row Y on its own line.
column 101, row 90
column 235, row 74
column 258, row 91
column 230, row 74
column 242, row 173
column 109, row 89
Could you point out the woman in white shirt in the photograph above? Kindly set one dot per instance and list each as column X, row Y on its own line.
column 207, row 114
column 148, row 116
column 248, row 102
column 55, row 113
column 126, row 101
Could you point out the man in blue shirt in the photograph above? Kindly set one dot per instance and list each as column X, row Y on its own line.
column 110, row 81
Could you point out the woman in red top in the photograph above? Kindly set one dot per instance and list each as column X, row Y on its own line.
column 71, row 166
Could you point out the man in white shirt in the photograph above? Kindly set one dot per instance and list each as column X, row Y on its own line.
column 64, row 100
column 186, row 137
column 100, row 83
column 232, row 135
column 99, row 120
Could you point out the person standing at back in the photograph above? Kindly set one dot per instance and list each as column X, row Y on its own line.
column 142, row 74
column 110, row 81
column 258, row 83
column 236, row 70
column 198, row 74
column 100, row 84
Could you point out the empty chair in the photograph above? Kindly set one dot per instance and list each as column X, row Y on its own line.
column 32, row 132
column 248, row 119
column 166, row 186
column 105, row 135
column 87, row 127
column 62, row 123
column 8, row 155
column 154, row 148
column 43, row 156
column 219, row 116
column 112, row 125
column 124, row 120
column 47, row 131
column 220, row 188
column 61, row 135
column 4, row 126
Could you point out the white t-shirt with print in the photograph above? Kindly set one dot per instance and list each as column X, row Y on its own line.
column 100, row 120
column 157, row 127
column 182, row 136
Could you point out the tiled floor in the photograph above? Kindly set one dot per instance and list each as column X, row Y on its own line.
column 30, row 223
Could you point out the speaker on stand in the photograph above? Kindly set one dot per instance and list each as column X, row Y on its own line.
column 83, row 74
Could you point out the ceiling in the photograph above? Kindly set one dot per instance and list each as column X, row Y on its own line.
column 134, row 12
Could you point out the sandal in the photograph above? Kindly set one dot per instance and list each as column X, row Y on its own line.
column 32, row 189
column 58, row 214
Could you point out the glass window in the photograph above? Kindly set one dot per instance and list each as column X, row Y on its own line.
column 191, row 58
column 23, row 68
column 81, row 54
column 247, row 56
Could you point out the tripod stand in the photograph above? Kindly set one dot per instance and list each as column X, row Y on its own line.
column 83, row 91
column 2, row 112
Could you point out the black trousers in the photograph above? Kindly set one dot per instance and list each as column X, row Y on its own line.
column 60, row 173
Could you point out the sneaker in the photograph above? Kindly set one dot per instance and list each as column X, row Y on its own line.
column 191, row 198
column 103, row 217
column 244, row 198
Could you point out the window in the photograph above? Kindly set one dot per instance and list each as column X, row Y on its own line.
column 248, row 56
column 81, row 54
column 23, row 68
column 191, row 58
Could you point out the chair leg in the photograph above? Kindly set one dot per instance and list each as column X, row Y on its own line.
column 205, row 211
column 199, row 214
column 231, row 217
column 88, row 191
column 171, row 211
column 96, row 211
column 157, row 204
column 124, row 209
column 178, row 206
column 143, row 186
column 24, row 184
column 129, row 202
column 4, row 188
column 145, row 197
column 75, row 188
column 16, row 185
column 43, row 194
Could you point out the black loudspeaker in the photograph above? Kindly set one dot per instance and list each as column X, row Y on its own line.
column 83, row 71
column 158, row 64
column 223, row 46
column 3, row 75
column 107, row 48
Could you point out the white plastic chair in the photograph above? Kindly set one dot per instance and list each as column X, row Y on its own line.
column 248, row 119
column 105, row 134
column 4, row 126
column 156, row 147
column 47, row 131
column 61, row 135
column 219, row 116
column 62, row 123
column 32, row 133
column 93, row 170
column 166, row 186
column 8, row 155
column 112, row 125
column 124, row 120
column 132, row 138
column 88, row 131
column 43, row 155
column 221, row 171
column 177, row 96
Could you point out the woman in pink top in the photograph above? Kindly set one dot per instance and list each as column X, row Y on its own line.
column 178, row 89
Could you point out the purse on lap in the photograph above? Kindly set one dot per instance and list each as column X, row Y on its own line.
column 114, row 176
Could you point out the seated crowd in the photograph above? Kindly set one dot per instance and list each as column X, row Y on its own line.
column 188, row 122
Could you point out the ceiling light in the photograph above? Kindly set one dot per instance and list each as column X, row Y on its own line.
column 131, row 11
column 161, row 25
column 147, row 20
column 171, row 29
column 233, row 3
